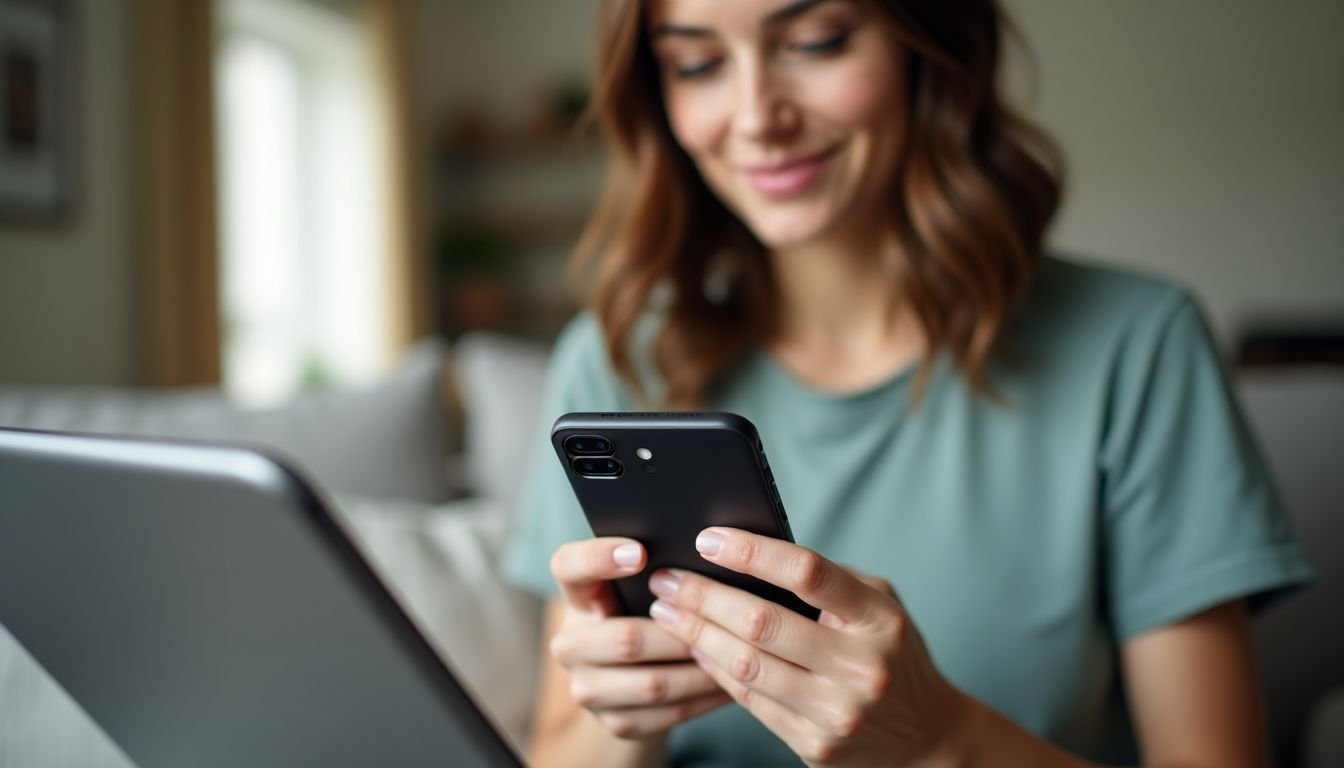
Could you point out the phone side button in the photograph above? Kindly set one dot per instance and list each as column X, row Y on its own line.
column 774, row 491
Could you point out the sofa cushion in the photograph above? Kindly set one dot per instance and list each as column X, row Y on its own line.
column 500, row 379
column 441, row 562
column 392, row 439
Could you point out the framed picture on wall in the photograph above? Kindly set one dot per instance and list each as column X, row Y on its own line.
column 35, row 128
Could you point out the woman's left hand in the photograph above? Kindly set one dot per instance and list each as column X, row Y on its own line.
column 856, row 687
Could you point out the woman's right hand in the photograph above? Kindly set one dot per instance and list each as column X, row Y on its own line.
column 637, row 679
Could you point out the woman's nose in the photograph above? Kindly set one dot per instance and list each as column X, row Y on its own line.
column 763, row 110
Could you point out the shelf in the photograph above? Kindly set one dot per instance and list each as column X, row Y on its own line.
column 536, row 227
column 504, row 149
column 524, row 203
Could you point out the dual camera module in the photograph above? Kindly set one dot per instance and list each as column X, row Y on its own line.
column 593, row 456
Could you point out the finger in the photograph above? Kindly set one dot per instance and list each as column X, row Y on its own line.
column 583, row 568
column 799, row 690
column 814, row 579
column 877, row 583
column 762, row 623
column 639, row 721
column 801, row 735
column 616, row 641
column 639, row 686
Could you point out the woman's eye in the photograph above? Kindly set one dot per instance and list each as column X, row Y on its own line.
column 695, row 70
column 823, row 45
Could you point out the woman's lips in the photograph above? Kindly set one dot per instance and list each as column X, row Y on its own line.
column 790, row 177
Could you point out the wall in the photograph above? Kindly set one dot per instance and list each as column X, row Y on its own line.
column 1206, row 141
column 497, row 55
column 66, row 291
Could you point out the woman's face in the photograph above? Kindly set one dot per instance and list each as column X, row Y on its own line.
column 791, row 110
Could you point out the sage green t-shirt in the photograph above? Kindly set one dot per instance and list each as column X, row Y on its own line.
column 1116, row 491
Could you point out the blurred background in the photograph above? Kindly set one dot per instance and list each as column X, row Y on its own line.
column 281, row 194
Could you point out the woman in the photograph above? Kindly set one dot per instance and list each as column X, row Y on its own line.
column 1023, row 496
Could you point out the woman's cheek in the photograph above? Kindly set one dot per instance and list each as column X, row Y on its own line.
column 856, row 96
column 693, row 119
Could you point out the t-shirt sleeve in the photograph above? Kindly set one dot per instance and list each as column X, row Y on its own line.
column 579, row 378
column 1192, row 517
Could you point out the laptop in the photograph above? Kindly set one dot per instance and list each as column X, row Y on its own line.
column 205, row 608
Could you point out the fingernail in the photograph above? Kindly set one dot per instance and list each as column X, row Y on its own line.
column 700, row 657
column 663, row 613
column 665, row 584
column 626, row 555
column 709, row 542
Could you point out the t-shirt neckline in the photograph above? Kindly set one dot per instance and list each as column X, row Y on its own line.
column 896, row 384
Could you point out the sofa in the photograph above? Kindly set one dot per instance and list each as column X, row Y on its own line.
column 424, row 468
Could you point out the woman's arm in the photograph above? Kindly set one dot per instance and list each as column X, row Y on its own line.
column 1193, row 697
column 1194, row 693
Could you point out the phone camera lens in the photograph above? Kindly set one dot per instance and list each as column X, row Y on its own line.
column 588, row 445
column 597, row 467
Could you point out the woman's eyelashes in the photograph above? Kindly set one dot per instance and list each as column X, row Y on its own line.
column 813, row 47
column 822, row 46
column 700, row 69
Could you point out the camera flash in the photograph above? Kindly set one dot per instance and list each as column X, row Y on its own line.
column 644, row 453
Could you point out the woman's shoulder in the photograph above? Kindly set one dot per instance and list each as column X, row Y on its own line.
column 582, row 354
column 1094, row 302
column 1120, row 291
column 581, row 337
column 1079, row 319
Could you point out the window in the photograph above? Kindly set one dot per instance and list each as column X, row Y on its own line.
column 304, row 287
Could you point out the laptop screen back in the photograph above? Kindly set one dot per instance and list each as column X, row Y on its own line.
column 201, row 605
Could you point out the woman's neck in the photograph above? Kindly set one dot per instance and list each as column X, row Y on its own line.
column 844, row 323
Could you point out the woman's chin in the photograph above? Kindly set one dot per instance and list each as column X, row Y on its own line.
column 789, row 229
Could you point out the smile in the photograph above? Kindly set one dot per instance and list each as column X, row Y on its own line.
column 790, row 177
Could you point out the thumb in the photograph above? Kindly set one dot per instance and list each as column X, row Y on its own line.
column 584, row 569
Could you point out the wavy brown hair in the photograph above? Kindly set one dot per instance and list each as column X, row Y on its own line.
column 975, row 188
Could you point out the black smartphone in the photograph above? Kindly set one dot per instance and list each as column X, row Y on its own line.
column 661, row 478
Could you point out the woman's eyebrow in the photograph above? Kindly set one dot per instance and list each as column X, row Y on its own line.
column 777, row 16
column 681, row 30
column 792, row 10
